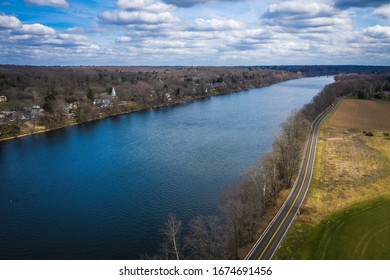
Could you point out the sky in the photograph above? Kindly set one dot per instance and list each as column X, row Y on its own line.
column 195, row 32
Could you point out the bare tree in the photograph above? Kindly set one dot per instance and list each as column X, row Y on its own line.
column 171, row 231
column 242, row 209
column 204, row 238
column 288, row 147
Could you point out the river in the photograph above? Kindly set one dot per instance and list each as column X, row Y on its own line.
column 102, row 190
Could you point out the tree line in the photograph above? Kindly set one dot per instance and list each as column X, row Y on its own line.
column 242, row 206
column 137, row 88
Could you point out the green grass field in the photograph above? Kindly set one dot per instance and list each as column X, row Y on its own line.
column 359, row 232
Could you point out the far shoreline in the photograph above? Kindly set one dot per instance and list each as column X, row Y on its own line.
column 20, row 136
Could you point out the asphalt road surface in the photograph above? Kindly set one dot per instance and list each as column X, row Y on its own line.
column 269, row 241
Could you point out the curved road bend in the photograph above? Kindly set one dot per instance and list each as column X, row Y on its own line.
column 269, row 241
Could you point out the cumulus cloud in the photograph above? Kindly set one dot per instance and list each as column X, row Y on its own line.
column 299, row 9
column 123, row 39
column 215, row 24
column 36, row 29
column 13, row 26
column 50, row 3
column 137, row 17
column 306, row 17
column 9, row 22
column 378, row 32
column 139, row 14
column 147, row 5
column 373, row 42
column 345, row 4
column 190, row 3
column 383, row 12
column 28, row 41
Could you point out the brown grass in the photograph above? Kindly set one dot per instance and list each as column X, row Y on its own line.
column 350, row 167
column 362, row 114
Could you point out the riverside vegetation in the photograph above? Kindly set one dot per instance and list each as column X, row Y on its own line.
column 43, row 98
column 248, row 207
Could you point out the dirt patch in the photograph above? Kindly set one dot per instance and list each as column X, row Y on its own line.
column 362, row 114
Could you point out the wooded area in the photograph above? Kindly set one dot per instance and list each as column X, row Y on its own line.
column 52, row 97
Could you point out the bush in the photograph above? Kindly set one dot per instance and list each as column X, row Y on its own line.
column 9, row 130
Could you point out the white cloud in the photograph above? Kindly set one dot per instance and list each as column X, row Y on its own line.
column 299, row 8
column 372, row 42
column 137, row 17
column 37, row 29
column 28, row 42
column 164, row 44
column 383, row 12
column 300, row 16
column 50, row 3
column 377, row 32
column 190, row 3
column 9, row 22
column 140, row 14
column 147, row 5
column 216, row 24
column 123, row 39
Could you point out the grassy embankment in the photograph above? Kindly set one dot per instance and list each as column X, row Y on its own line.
column 345, row 214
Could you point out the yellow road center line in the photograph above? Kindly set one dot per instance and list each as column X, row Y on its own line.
column 292, row 205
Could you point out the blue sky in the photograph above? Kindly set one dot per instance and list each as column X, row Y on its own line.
column 194, row 32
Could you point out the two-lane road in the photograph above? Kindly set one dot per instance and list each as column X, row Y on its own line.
column 269, row 241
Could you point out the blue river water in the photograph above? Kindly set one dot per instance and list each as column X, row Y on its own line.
column 103, row 190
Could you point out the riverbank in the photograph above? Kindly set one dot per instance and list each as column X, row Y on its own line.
column 53, row 97
column 127, row 108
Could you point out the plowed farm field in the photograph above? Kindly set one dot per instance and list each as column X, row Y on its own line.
column 362, row 114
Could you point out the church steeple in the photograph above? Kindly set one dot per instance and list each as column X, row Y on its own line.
column 113, row 93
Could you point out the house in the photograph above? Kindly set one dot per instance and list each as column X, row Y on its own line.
column 104, row 100
column 168, row 97
column 3, row 98
column 114, row 98
column 36, row 110
column 73, row 106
